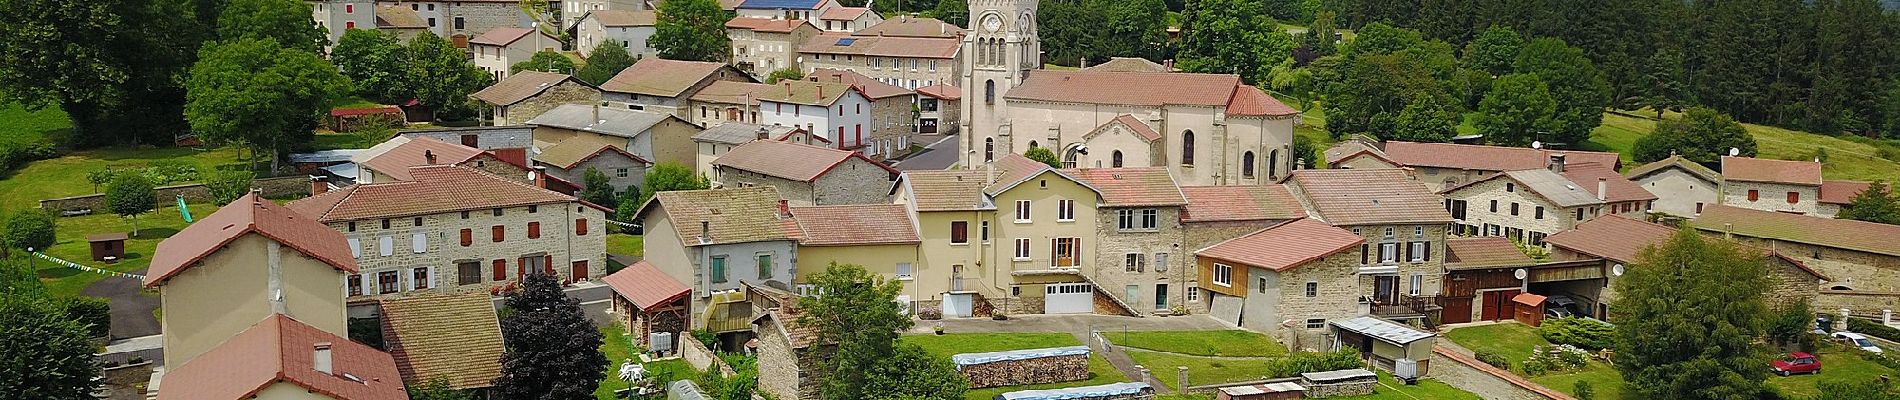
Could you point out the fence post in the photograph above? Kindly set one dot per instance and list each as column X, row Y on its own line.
column 1886, row 316
column 1182, row 371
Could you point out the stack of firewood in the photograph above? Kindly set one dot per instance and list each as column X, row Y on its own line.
column 1028, row 372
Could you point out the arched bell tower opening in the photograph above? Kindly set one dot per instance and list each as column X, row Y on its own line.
column 1000, row 47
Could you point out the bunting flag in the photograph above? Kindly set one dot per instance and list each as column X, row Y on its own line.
column 73, row 265
column 620, row 223
column 182, row 210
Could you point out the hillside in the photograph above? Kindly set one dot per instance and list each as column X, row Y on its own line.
column 1846, row 159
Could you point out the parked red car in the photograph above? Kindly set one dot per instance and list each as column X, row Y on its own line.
column 1797, row 363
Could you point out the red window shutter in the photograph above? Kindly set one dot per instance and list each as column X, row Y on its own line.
column 468, row 237
column 495, row 233
column 521, row 268
column 501, row 269
column 547, row 264
column 1794, row 197
column 580, row 227
column 534, row 230
column 1754, row 195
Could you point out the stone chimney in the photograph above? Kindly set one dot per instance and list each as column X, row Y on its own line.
column 764, row 134
column 784, row 208
column 318, row 186
column 428, row 157
column 705, row 231
column 541, row 176
column 320, row 358
column 1556, row 163
column 1603, row 188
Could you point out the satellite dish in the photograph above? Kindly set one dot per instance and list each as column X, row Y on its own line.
column 1616, row 270
column 1520, row 273
column 1732, row 152
column 1537, row 144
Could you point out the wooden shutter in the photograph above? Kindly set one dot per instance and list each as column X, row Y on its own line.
column 501, row 269
column 468, row 237
column 495, row 233
column 580, row 227
column 1365, row 253
column 1428, row 251
column 521, row 268
column 534, row 230
column 547, row 264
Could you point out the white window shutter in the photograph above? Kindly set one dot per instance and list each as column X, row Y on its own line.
column 386, row 245
column 419, row 242
column 356, row 248
column 432, row 278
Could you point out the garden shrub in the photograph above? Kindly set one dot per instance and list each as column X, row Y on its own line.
column 1581, row 332
column 17, row 154
column 1585, row 391
column 1493, row 359
column 1875, row 329
column 30, row 228
column 226, row 186
column 1553, row 359
column 1304, row 362
column 93, row 312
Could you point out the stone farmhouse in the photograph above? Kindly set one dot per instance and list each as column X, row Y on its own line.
column 664, row 86
column 651, row 136
column 499, row 49
column 1682, row 187
column 1302, row 270
column 720, row 139
column 629, row 28
column 525, row 95
column 938, row 109
column 727, row 101
column 1615, row 241
column 848, row 19
column 1139, row 231
column 1444, row 165
column 907, row 52
column 762, row 45
column 1528, row 205
column 805, row 174
column 1784, row 186
column 465, row 18
column 477, row 232
column 402, row 21
column 566, row 163
column 1861, row 260
column 1401, row 262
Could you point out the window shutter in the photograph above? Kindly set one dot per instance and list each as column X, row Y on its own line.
column 468, row 237
column 1365, row 253
column 1405, row 254
column 547, row 264
column 580, row 227
column 534, row 230
column 1428, row 251
column 356, row 248
column 385, row 245
column 521, row 268
column 495, row 233
column 501, row 269
column 419, row 242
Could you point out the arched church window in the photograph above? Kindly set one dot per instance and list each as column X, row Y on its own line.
column 1246, row 165
column 1116, row 159
column 1187, row 148
column 989, row 91
column 989, row 149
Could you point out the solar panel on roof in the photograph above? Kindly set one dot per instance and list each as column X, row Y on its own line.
column 846, row 41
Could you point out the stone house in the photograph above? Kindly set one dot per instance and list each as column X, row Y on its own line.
column 1138, row 227
column 499, row 49
column 664, row 86
column 652, row 136
column 717, row 140
column 785, row 9
column 402, row 21
column 465, row 18
column 1214, row 214
column 337, row 16
column 524, row 95
column 456, row 229
column 1838, row 194
column 1444, row 165
column 647, row 301
column 1401, row 263
column 573, row 11
column 1861, row 258
column 805, row 174
column 629, row 28
column 880, row 237
column 848, row 19
column 392, row 160
column 792, row 352
column 1615, row 242
column 893, row 111
column 717, row 240
column 909, row 62
column 1528, row 205
column 937, row 109
column 1771, row 185
column 1682, row 187
column 569, row 160
column 727, row 101
column 763, row 45
column 838, row 112
column 1301, row 270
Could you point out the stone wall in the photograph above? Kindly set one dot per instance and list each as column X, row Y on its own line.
column 1360, row 388
column 480, row 17
column 280, row 187
column 1335, row 297
column 568, row 92
column 798, row 193
column 444, row 253
column 610, row 164
column 696, row 353
column 1114, row 275
column 1479, row 197
column 1850, row 270
column 857, row 181
column 1771, row 196
column 1027, row 372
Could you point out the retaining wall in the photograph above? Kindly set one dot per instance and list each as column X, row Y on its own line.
column 279, row 187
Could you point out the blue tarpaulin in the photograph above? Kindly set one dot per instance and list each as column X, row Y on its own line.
column 1085, row 392
column 985, row 358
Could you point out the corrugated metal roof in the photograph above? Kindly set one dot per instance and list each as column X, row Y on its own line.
column 611, row 121
column 1012, row 355
column 1382, row 329
column 1084, row 392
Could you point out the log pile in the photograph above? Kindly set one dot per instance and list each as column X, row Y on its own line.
column 1032, row 371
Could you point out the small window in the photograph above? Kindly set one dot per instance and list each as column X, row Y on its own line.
column 1510, row 187
column 904, row 271
column 352, row 225
column 718, row 269
column 1494, row 206
column 959, row 232
column 1065, row 210
column 580, row 227
column 1417, row 251
column 1513, row 208
column 1418, row 285
column 983, row 231
column 1260, row 285
column 1316, row 323
column 464, row 215
column 1312, row 289
column 468, row 237
column 385, row 223
column 1193, row 293
column 355, row 282
column 1223, row 274
column 1022, row 249
column 497, row 212
column 1540, row 212
column 420, row 278
column 1754, row 195
column 533, row 208
column 1246, row 165
column 1794, row 197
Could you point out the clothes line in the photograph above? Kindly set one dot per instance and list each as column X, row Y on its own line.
column 73, row 265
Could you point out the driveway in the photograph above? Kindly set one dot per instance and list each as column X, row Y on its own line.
column 940, row 153
column 131, row 308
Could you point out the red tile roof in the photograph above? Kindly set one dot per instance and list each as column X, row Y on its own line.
column 1128, row 88
column 1284, row 246
column 645, row 285
column 1240, row 203
column 248, row 214
column 1846, row 234
column 912, row 26
column 883, row 46
column 453, row 337
column 623, row 18
column 1250, row 101
column 1487, row 158
column 436, row 189
column 843, row 13
column 1482, row 252
column 281, row 349
column 766, row 24
column 860, row 224
column 502, row 36
column 1131, row 187
column 793, row 161
column 1613, row 237
column 871, row 88
column 1136, row 125
column 396, row 162
column 1749, row 169
column 942, row 91
column 1842, row 192
column 1369, row 196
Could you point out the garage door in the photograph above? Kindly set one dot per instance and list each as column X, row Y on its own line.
column 1068, row 298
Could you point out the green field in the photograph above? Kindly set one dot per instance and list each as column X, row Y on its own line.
column 1228, row 343
column 947, row 345
column 1202, row 370
column 17, row 124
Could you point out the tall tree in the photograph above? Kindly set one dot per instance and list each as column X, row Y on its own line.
column 1877, row 203
column 954, row 12
column 372, row 59
column 1426, row 119
column 1231, row 36
column 553, row 350
column 667, row 176
column 597, row 188
column 252, row 91
column 857, row 314
column 130, row 195
column 1702, row 135
column 1071, row 32
column 692, row 30
column 285, row 21
column 441, row 77
column 1579, row 90
column 606, row 61
column 1494, row 51
column 1854, row 51
column 49, row 356
column 1663, row 83
column 1688, row 316
column 1517, row 111
column 114, row 66
column 1135, row 28
column 545, row 61
column 31, row 229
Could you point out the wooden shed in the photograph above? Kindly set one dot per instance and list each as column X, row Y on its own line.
column 107, row 245
column 1530, row 308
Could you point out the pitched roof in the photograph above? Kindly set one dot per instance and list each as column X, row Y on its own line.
column 1847, row 234
column 398, row 17
column 1128, row 64
column 456, row 337
column 942, row 91
column 911, row 26
column 436, row 189
column 1842, row 192
column 520, row 86
column 248, row 214
column 623, row 18
column 1147, row 89
column 793, row 161
column 1750, row 169
column 1131, row 187
column 1368, row 196
column 766, row 24
column 568, row 153
column 871, row 88
column 1559, row 190
column 1675, row 161
column 1136, row 125
column 1284, row 246
column 1354, row 146
column 281, row 349
column 1483, row 252
column 416, row 152
column 1613, row 237
column 883, row 46
column 1621, row 189
column 502, row 36
column 946, row 190
column 1240, row 203
column 806, row 92
column 645, row 285
column 732, row 215
column 843, row 13
column 785, row 4
column 799, row 335
column 858, row 224
column 1014, row 169
column 1486, row 158
column 731, row 92
column 656, row 76
column 740, row 132
column 1250, row 101
column 611, row 121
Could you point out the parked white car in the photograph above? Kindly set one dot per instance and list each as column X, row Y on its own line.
column 1858, row 341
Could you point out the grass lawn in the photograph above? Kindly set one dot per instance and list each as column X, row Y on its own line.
column 1228, row 343
column 946, row 345
column 1847, row 159
column 1514, row 342
column 619, row 348
column 17, row 124
column 1837, row 363
column 621, row 243
column 66, row 175
column 1201, row 370
column 153, row 228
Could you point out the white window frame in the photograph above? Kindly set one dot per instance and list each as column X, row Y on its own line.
column 1417, row 284
column 1022, row 249
column 1125, row 219
column 1388, row 253
column 1311, row 289
column 1023, row 212
column 1065, row 210
column 1417, row 250
column 1150, row 219
column 983, row 228
column 905, row 271
column 1223, row 275
column 1193, row 293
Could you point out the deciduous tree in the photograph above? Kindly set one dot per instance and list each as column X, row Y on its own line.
column 1494, row 51
column 114, row 66
column 858, row 314
column 1574, row 83
column 1518, row 110
column 1043, row 155
column 254, row 92
column 667, row 176
column 693, row 30
column 1877, row 203
column 31, row 229
column 606, row 61
column 954, row 12
column 130, row 195
column 373, row 59
column 546, row 61
column 1231, row 36
column 1688, row 317
column 285, row 21
column 440, row 76
column 553, row 350
column 1702, row 135
column 1426, row 119
column 597, row 189
column 49, row 356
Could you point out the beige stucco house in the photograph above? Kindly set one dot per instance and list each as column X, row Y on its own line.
column 848, row 19
column 652, row 136
column 501, row 48
column 1682, row 187
column 880, row 237
column 726, row 101
column 907, row 52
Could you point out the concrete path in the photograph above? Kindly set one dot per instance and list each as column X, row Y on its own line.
column 131, row 307
column 940, row 154
column 135, row 344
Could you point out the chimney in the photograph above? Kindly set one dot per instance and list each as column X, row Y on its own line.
column 428, row 157
column 705, row 231
column 1603, row 187
column 320, row 358
column 784, row 208
column 596, row 112
column 1167, row 65
column 1556, row 163
column 318, row 186
column 788, row 89
column 541, row 176
column 764, row 134
column 821, row 92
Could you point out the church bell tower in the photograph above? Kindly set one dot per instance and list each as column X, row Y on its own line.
column 998, row 52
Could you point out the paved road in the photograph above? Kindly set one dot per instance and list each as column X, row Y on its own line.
column 131, row 308
column 939, row 154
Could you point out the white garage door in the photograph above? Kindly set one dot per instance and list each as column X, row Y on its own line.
column 1068, row 298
